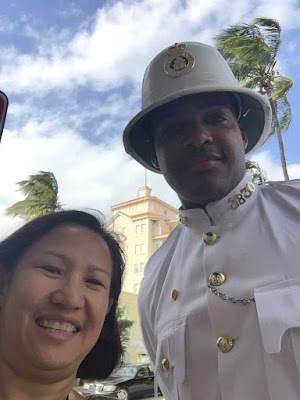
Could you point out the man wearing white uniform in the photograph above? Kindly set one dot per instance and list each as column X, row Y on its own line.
column 220, row 300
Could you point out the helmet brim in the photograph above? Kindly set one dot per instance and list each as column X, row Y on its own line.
column 255, row 122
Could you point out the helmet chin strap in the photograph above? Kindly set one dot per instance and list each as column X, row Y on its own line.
column 155, row 162
column 245, row 113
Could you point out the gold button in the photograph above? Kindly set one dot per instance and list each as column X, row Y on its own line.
column 216, row 279
column 225, row 343
column 174, row 294
column 209, row 238
column 165, row 364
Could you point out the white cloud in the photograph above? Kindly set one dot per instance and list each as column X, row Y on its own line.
column 286, row 12
column 7, row 25
column 89, row 176
column 117, row 46
column 273, row 168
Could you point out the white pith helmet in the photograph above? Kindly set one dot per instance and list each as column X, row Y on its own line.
column 185, row 69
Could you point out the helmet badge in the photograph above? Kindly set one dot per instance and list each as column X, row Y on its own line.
column 179, row 61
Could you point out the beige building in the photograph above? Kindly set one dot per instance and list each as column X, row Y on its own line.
column 145, row 223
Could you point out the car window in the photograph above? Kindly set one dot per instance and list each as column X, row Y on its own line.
column 144, row 371
column 151, row 372
column 126, row 370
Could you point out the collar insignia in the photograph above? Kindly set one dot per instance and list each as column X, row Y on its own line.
column 241, row 197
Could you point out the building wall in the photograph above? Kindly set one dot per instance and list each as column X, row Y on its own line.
column 136, row 352
column 144, row 223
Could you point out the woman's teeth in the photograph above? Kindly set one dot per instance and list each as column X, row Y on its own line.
column 56, row 326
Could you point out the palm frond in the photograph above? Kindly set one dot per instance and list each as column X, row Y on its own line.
column 284, row 112
column 282, row 84
column 240, row 70
column 270, row 29
column 257, row 174
column 252, row 83
column 250, row 50
column 41, row 191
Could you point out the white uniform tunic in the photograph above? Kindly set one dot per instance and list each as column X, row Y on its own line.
column 258, row 251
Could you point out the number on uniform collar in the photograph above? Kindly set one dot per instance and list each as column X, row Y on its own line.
column 241, row 197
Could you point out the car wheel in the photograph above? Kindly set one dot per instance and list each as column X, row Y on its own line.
column 122, row 394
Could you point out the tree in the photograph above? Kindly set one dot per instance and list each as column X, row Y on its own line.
column 41, row 197
column 124, row 324
column 251, row 52
column 257, row 174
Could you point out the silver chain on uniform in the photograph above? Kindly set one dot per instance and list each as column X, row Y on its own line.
column 224, row 296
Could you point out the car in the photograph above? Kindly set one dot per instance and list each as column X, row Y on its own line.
column 126, row 382
column 90, row 388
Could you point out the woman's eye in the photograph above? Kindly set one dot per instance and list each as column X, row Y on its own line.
column 51, row 269
column 94, row 282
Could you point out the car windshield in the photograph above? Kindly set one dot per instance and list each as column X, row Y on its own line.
column 125, row 370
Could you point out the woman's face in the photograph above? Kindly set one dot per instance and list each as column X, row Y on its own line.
column 53, row 309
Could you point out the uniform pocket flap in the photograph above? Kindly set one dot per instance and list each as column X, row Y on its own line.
column 171, row 347
column 278, row 310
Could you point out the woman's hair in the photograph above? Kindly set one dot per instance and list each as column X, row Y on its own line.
column 106, row 353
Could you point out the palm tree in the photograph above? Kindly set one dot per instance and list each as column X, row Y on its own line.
column 257, row 174
column 251, row 51
column 41, row 196
column 124, row 325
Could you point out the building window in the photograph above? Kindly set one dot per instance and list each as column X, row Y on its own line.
column 142, row 267
column 124, row 230
column 140, row 249
column 136, row 288
column 138, row 229
column 136, row 268
column 143, row 226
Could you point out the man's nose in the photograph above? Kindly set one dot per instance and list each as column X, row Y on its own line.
column 198, row 135
column 69, row 295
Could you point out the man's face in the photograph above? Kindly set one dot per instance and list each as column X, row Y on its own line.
column 199, row 147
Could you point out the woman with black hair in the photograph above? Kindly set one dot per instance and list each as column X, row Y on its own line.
column 60, row 279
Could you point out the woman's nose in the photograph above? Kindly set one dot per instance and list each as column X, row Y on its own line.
column 70, row 296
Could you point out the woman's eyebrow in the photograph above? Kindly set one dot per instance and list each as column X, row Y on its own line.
column 58, row 255
column 93, row 268
column 90, row 268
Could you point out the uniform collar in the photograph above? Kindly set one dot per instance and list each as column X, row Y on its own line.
column 226, row 211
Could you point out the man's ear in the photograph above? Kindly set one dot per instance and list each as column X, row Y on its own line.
column 155, row 161
column 245, row 138
column 3, row 285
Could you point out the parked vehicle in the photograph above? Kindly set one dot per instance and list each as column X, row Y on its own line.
column 127, row 382
column 91, row 388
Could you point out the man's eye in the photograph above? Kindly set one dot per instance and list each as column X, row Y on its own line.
column 51, row 269
column 172, row 130
column 217, row 119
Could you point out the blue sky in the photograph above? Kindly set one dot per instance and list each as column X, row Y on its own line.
column 72, row 71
